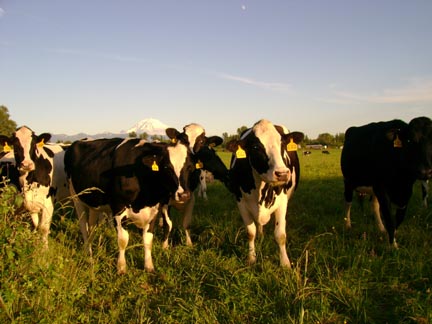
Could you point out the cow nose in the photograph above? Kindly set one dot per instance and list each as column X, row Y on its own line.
column 183, row 196
column 281, row 175
column 27, row 166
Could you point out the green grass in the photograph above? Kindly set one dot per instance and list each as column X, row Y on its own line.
column 337, row 276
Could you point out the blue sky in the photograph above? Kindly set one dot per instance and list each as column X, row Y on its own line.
column 313, row 66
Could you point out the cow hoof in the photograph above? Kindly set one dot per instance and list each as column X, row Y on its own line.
column 150, row 269
column 251, row 260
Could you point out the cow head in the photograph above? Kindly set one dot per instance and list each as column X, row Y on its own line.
column 264, row 146
column 420, row 137
column 25, row 146
column 181, row 159
column 203, row 155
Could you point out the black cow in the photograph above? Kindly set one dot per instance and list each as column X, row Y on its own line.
column 204, row 158
column 264, row 173
column 130, row 179
column 8, row 170
column 386, row 158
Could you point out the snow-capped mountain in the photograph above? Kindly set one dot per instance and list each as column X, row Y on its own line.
column 151, row 126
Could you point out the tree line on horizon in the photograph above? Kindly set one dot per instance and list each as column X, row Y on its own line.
column 8, row 126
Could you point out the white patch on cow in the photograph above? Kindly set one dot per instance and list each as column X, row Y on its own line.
column 193, row 131
column 178, row 155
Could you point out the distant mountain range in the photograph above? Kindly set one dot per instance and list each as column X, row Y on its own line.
column 151, row 126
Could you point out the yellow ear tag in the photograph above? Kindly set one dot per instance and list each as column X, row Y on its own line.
column 291, row 146
column 211, row 145
column 397, row 142
column 155, row 167
column 240, row 153
column 174, row 140
column 7, row 148
column 199, row 165
column 41, row 143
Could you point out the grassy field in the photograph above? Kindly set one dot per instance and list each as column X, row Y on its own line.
column 337, row 276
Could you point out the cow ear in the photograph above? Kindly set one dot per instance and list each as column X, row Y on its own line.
column 394, row 135
column 232, row 145
column 281, row 129
column 45, row 137
column 296, row 136
column 172, row 133
column 5, row 141
column 214, row 141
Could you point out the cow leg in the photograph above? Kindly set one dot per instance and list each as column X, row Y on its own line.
column 387, row 218
column 167, row 225
column 376, row 210
column 123, row 240
column 93, row 219
column 187, row 219
column 148, row 244
column 251, row 233
column 35, row 220
column 82, row 214
column 425, row 189
column 45, row 223
column 280, row 236
column 348, row 193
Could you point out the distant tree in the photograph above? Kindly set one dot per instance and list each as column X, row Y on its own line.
column 132, row 134
column 144, row 136
column 325, row 139
column 339, row 139
column 241, row 130
column 7, row 125
column 157, row 138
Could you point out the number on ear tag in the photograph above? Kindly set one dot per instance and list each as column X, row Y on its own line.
column 397, row 142
column 199, row 165
column 41, row 143
column 7, row 148
column 155, row 167
column 240, row 153
column 291, row 146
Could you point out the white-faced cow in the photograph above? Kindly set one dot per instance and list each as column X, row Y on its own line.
column 41, row 174
column 131, row 179
column 205, row 158
column 385, row 159
column 264, row 173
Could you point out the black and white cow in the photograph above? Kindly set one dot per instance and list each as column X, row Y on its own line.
column 41, row 174
column 264, row 174
column 204, row 158
column 130, row 179
column 385, row 159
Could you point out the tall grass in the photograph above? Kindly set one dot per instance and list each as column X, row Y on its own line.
column 337, row 276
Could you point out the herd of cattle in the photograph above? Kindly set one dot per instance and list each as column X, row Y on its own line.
column 133, row 180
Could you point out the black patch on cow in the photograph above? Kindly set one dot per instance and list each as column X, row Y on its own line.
column 41, row 174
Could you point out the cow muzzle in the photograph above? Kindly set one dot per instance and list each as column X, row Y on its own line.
column 26, row 166
column 282, row 176
column 425, row 174
column 183, row 196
